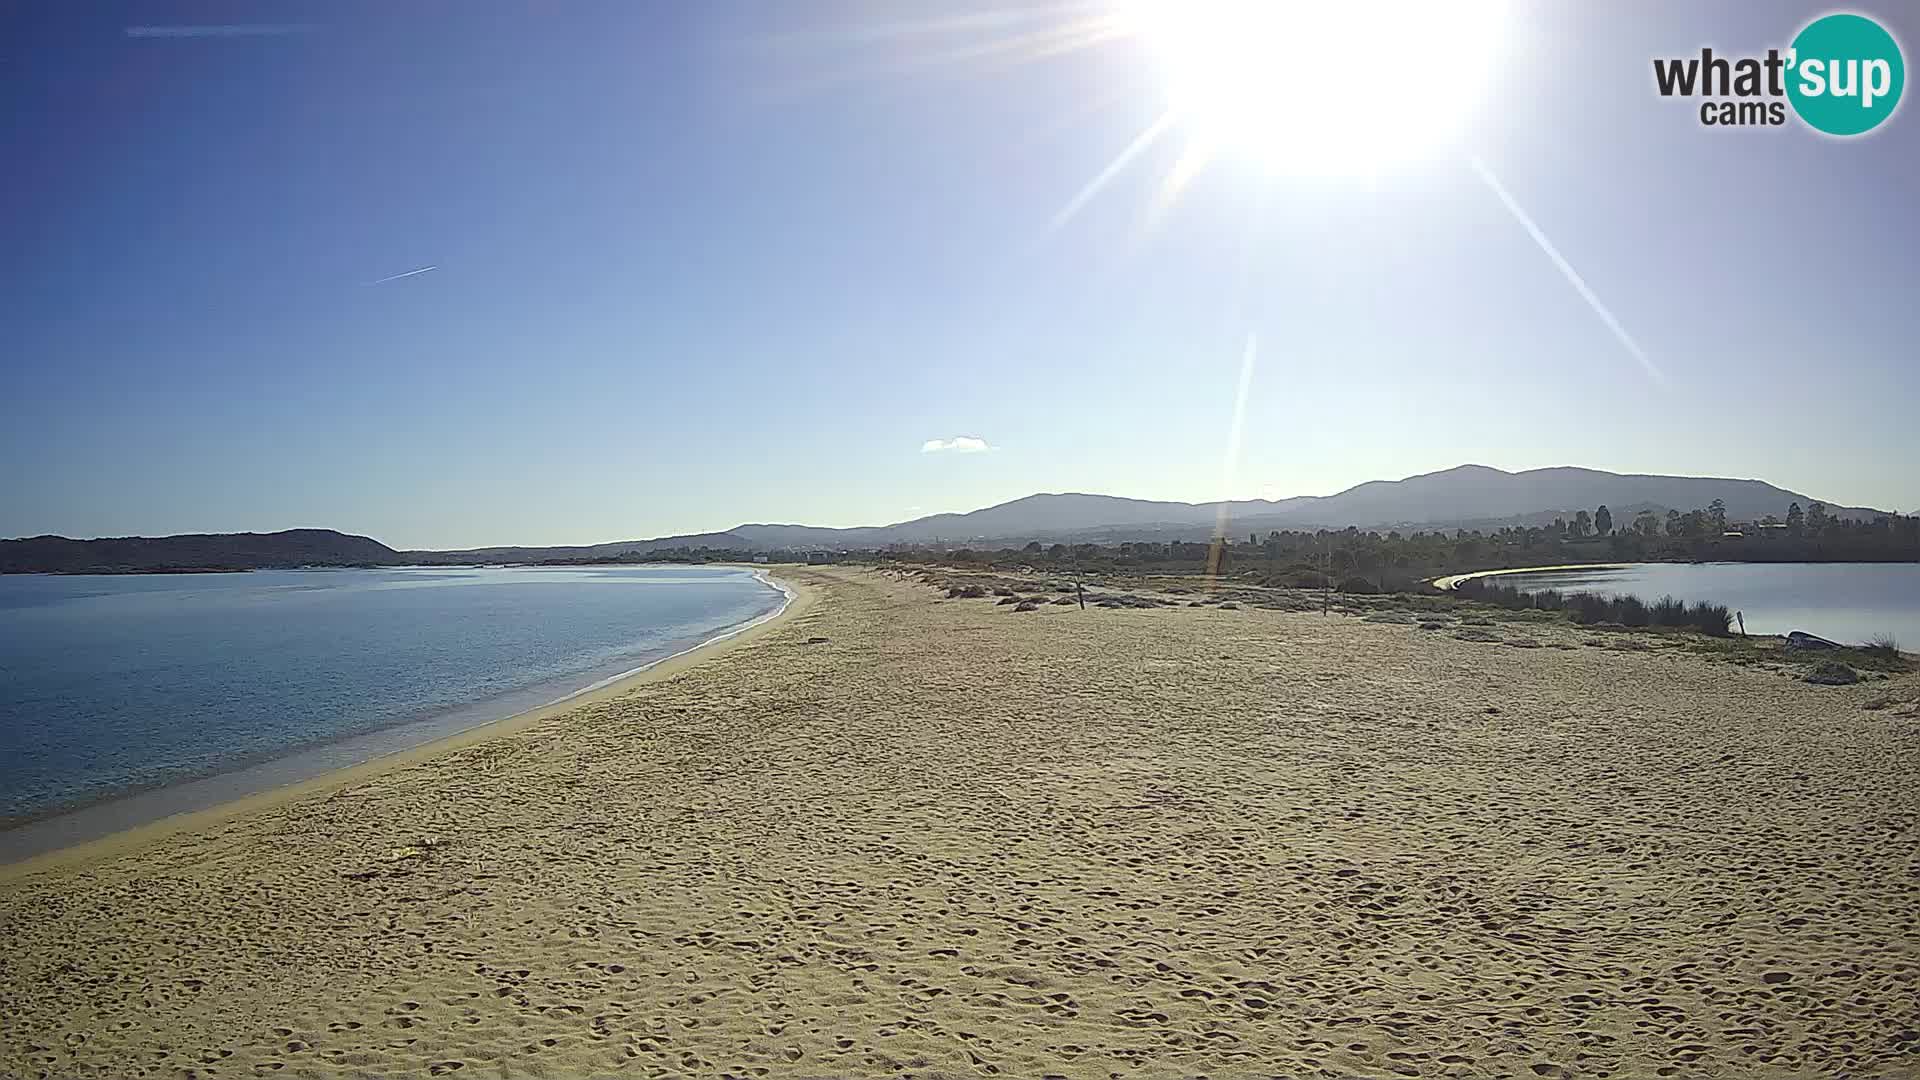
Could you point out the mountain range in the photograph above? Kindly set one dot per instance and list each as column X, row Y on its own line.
column 1469, row 496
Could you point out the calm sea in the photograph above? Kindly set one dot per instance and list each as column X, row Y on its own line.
column 110, row 684
column 1848, row 602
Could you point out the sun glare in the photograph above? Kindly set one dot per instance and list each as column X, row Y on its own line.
column 1319, row 87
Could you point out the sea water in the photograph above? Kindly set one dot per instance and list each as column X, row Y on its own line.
column 195, row 688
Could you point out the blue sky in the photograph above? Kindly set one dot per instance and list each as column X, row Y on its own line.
column 710, row 263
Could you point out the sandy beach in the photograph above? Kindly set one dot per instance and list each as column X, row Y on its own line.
column 894, row 834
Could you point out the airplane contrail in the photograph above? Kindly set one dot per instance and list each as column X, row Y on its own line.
column 224, row 30
column 397, row 277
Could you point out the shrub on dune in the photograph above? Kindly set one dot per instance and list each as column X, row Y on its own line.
column 1714, row 619
column 1633, row 612
column 1668, row 611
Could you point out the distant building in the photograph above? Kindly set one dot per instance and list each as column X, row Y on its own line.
column 816, row 558
column 760, row 558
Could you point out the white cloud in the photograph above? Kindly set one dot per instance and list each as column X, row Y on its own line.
column 959, row 444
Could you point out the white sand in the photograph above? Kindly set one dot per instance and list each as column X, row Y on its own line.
column 955, row 840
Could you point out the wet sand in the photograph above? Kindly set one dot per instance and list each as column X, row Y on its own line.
column 956, row 840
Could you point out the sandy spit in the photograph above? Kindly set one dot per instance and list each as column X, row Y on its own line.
column 956, row 840
column 1454, row 581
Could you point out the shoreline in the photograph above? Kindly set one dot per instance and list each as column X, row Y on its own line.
column 388, row 738
column 795, row 599
column 1450, row 582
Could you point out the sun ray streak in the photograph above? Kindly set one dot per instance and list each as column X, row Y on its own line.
column 984, row 54
column 1134, row 149
column 1566, row 268
column 1037, row 45
column 992, row 20
column 1191, row 163
column 1230, row 465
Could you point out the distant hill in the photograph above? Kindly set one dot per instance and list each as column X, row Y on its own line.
column 1473, row 496
column 1469, row 496
column 200, row 551
column 614, row 550
column 1477, row 492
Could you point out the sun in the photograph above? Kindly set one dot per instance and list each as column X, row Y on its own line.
column 1340, row 86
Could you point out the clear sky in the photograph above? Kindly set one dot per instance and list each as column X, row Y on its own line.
column 705, row 263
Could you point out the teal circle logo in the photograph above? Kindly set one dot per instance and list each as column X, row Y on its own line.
column 1845, row 74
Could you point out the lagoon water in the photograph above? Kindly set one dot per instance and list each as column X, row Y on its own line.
column 115, row 683
column 1849, row 602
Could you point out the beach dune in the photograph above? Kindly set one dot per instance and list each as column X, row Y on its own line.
column 955, row 840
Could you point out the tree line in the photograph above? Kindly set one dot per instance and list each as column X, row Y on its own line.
column 1711, row 521
column 1371, row 560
